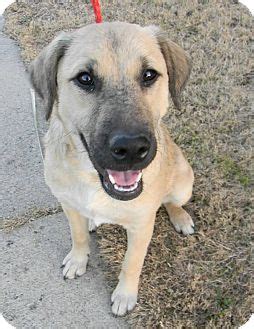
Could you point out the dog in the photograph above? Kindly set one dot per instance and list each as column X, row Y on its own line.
column 108, row 155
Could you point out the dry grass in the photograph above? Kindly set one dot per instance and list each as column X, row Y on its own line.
column 11, row 223
column 203, row 281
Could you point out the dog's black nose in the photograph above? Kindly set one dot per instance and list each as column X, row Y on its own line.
column 129, row 148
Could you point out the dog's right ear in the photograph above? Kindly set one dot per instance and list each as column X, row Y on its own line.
column 43, row 70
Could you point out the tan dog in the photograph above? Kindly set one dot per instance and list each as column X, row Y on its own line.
column 109, row 157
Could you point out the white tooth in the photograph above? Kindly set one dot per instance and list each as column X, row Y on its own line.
column 126, row 189
column 139, row 177
column 111, row 178
column 119, row 188
column 116, row 187
column 135, row 186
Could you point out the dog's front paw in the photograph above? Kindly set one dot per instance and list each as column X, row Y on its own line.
column 183, row 223
column 123, row 301
column 74, row 264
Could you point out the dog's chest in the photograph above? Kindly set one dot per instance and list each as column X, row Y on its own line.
column 91, row 201
column 96, row 212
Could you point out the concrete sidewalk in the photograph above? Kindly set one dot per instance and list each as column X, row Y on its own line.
column 33, row 293
column 22, row 180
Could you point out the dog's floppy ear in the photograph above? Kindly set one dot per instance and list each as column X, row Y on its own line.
column 177, row 61
column 43, row 70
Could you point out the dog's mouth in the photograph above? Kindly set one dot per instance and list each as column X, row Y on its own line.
column 122, row 185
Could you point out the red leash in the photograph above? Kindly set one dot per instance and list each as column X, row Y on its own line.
column 97, row 11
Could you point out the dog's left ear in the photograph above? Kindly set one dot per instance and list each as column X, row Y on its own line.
column 177, row 61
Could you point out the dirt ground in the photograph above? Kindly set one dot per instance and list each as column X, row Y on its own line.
column 202, row 281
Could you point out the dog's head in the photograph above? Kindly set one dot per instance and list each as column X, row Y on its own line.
column 111, row 84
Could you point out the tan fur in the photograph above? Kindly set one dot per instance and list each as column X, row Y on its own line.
column 75, row 262
column 68, row 170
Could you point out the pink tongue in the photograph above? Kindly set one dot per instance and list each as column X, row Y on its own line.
column 124, row 178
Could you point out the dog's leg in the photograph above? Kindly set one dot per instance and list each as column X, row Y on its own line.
column 75, row 262
column 181, row 220
column 124, row 297
column 181, row 194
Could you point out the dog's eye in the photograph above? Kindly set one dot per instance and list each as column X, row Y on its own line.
column 85, row 81
column 149, row 77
